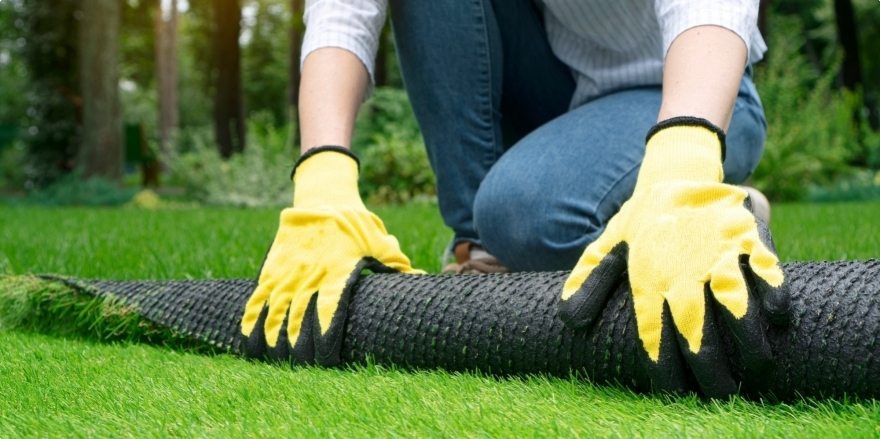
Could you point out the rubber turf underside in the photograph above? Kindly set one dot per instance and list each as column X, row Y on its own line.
column 506, row 324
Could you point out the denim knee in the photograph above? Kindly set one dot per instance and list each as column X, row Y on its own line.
column 527, row 230
column 746, row 135
column 745, row 143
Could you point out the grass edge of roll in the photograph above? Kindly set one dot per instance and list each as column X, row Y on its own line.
column 31, row 303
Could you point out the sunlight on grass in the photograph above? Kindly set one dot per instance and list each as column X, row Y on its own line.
column 68, row 383
column 827, row 231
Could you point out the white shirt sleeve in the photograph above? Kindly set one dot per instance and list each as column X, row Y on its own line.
column 353, row 25
column 739, row 16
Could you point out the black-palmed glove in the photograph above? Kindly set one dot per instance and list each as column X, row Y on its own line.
column 689, row 243
column 323, row 243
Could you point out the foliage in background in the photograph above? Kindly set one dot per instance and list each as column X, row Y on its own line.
column 13, row 160
column 812, row 136
column 13, row 72
column 259, row 177
column 47, row 35
column 821, row 41
column 394, row 163
column 810, row 144
column 139, row 106
column 864, row 185
column 264, row 68
column 265, row 57
column 71, row 190
column 138, row 93
column 868, row 22
column 138, row 42
column 194, row 99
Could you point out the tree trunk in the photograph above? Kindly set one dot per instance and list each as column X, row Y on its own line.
column 101, row 153
column 166, row 73
column 380, row 71
column 849, row 39
column 229, row 125
column 297, row 31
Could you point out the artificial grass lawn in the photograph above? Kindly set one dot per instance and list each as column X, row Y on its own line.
column 63, row 386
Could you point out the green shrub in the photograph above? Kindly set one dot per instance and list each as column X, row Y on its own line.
column 862, row 186
column 871, row 141
column 394, row 163
column 13, row 160
column 71, row 190
column 259, row 177
column 812, row 136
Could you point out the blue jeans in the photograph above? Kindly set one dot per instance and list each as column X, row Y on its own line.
column 517, row 171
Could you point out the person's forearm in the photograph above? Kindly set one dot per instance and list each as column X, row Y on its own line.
column 331, row 90
column 703, row 71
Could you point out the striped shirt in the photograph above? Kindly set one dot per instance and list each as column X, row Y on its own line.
column 609, row 45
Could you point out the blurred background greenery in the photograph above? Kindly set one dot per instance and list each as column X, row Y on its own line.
column 196, row 99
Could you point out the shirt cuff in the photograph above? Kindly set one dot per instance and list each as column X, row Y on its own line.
column 738, row 16
column 345, row 24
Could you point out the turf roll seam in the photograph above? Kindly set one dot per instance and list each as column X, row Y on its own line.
column 506, row 324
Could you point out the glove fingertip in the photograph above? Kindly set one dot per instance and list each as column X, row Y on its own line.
column 579, row 310
column 777, row 303
column 255, row 341
column 376, row 266
column 583, row 306
column 580, row 307
column 402, row 268
column 668, row 372
column 776, row 299
column 749, row 338
column 328, row 341
column 328, row 345
column 280, row 353
column 302, row 350
column 709, row 362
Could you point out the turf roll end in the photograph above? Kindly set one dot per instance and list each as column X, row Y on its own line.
column 48, row 305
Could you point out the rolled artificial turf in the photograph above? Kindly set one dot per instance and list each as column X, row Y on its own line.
column 506, row 324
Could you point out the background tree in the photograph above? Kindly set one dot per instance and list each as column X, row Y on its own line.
column 849, row 41
column 166, row 73
column 763, row 9
column 137, row 62
column 13, row 73
column 46, row 38
column 265, row 48
column 101, row 152
column 297, row 31
column 868, row 25
column 837, row 36
column 229, row 126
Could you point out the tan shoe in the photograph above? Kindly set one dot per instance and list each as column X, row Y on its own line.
column 473, row 259
column 760, row 204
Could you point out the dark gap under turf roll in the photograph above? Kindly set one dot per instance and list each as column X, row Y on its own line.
column 506, row 324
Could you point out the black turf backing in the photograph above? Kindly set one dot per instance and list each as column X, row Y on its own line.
column 506, row 324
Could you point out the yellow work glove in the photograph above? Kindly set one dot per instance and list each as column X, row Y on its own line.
column 297, row 312
column 690, row 245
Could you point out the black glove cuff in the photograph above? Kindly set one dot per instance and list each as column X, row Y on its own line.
column 690, row 121
column 325, row 148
